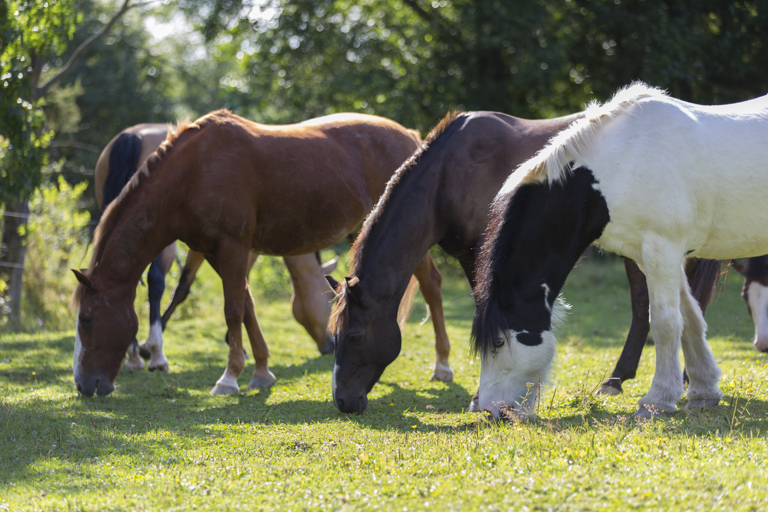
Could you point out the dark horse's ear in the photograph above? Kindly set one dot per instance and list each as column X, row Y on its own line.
column 355, row 291
column 83, row 279
column 738, row 267
column 332, row 282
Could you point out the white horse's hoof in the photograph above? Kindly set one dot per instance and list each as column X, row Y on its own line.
column 442, row 375
column 224, row 389
column 707, row 403
column 262, row 381
column 649, row 411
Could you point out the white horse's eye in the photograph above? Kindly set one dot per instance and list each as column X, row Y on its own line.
column 498, row 342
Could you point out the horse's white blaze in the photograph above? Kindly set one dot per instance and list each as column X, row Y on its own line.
column 333, row 380
column 78, row 355
column 757, row 295
column 510, row 377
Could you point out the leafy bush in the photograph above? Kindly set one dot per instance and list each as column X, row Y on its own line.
column 57, row 240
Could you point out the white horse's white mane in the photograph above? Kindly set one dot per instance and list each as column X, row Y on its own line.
column 551, row 162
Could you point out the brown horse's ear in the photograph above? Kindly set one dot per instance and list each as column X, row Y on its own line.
column 355, row 291
column 738, row 267
column 332, row 282
column 83, row 279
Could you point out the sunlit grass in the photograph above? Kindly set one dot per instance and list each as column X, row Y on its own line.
column 160, row 442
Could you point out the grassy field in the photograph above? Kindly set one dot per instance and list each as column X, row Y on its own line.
column 160, row 442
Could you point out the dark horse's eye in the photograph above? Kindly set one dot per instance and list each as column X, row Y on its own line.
column 356, row 337
column 498, row 342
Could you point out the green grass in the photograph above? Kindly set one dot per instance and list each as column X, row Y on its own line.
column 160, row 442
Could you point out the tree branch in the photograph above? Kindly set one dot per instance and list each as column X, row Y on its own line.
column 75, row 144
column 39, row 91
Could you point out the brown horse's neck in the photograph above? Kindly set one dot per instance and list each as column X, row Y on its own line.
column 141, row 231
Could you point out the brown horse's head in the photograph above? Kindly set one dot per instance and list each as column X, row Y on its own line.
column 367, row 341
column 106, row 326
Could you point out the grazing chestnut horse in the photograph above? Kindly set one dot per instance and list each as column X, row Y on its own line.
column 119, row 160
column 645, row 176
column 116, row 165
column 225, row 186
column 440, row 196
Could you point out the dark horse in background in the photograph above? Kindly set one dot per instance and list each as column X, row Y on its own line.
column 227, row 186
column 442, row 195
column 117, row 163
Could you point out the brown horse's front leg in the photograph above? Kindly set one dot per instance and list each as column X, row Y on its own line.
column 626, row 367
column 231, row 265
column 430, row 283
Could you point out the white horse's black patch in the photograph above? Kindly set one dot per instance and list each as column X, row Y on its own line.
column 536, row 234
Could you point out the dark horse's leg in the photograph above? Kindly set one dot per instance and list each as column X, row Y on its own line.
column 702, row 277
column 153, row 347
column 180, row 293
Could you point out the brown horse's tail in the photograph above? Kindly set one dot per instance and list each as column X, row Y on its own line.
column 404, row 310
column 703, row 279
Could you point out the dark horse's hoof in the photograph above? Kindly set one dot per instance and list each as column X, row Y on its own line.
column 610, row 386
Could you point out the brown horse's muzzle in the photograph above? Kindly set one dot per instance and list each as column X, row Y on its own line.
column 94, row 383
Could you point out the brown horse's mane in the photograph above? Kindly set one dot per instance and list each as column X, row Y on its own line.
column 113, row 212
column 339, row 315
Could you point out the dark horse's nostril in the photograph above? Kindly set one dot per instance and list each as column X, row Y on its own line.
column 78, row 387
column 340, row 404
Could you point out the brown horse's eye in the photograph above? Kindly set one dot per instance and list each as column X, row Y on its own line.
column 85, row 322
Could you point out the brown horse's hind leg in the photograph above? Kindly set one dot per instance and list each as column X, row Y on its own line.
column 430, row 282
column 626, row 367
column 231, row 265
column 262, row 377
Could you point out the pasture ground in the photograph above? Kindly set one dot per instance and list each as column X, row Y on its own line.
column 160, row 442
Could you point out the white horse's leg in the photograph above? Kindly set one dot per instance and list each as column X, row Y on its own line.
column 663, row 269
column 704, row 375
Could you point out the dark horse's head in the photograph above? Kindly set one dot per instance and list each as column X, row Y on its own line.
column 106, row 326
column 356, row 322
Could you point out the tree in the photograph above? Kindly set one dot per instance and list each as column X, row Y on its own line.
column 33, row 34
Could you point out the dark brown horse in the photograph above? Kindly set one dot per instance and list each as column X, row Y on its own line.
column 440, row 196
column 225, row 186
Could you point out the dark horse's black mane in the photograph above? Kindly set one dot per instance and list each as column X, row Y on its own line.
column 123, row 158
column 365, row 240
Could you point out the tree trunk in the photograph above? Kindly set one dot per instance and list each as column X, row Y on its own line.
column 12, row 252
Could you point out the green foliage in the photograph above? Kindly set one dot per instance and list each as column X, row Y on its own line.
column 160, row 442
column 29, row 29
column 56, row 242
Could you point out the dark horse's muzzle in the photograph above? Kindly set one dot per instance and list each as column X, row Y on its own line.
column 94, row 383
column 351, row 403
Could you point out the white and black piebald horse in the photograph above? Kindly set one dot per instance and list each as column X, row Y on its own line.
column 755, row 294
column 644, row 176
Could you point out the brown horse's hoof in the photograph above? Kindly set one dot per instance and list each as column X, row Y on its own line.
column 442, row 375
column 610, row 387
column 707, row 403
column 262, row 381
column 224, row 389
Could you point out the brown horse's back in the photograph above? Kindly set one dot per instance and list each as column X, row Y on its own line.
column 291, row 189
